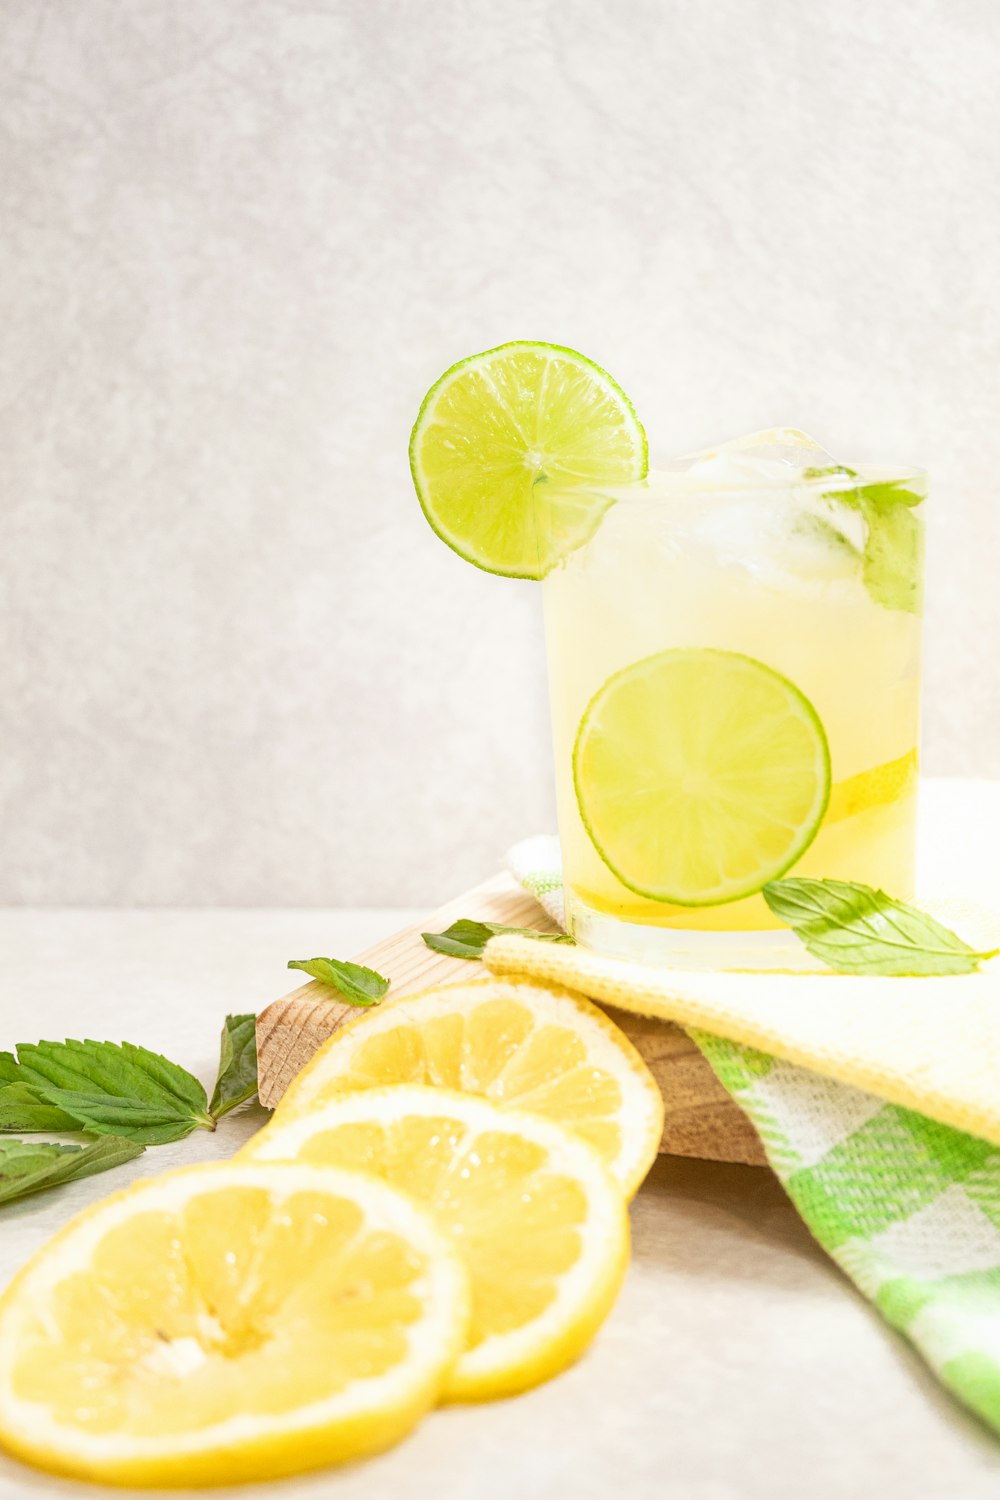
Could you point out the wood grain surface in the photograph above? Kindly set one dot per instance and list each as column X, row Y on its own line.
column 701, row 1119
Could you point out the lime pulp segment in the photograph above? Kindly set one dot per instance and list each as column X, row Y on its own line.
column 498, row 424
column 700, row 775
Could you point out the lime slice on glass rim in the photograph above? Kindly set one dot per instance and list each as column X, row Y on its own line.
column 498, row 424
column 700, row 775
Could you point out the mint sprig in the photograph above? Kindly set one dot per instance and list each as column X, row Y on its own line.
column 856, row 929
column 125, row 1096
column 355, row 983
column 117, row 1088
column 31, row 1166
column 467, row 939
column 105, row 1088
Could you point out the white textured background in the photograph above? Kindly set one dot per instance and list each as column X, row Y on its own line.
column 239, row 238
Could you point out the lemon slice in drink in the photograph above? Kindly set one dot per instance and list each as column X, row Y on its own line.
column 499, row 424
column 700, row 775
column 540, row 1223
column 227, row 1323
column 877, row 787
column 522, row 1045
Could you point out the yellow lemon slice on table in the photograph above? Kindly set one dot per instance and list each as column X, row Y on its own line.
column 499, row 427
column 229, row 1322
column 700, row 775
column 535, row 1214
column 519, row 1043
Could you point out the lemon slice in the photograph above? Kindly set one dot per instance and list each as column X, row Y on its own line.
column 877, row 787
column 498, row 424
column 226, row 1323
column 537, row 1217
column 700, row 775
column 519, row 1043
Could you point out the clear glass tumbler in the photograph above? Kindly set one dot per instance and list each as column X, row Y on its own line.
column 734, row 669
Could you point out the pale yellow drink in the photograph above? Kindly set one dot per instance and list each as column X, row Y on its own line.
column 808, row 577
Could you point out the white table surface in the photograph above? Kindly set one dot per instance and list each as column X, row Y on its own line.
column 738, row 1363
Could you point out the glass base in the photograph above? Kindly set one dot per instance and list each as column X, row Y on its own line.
column 680, row 948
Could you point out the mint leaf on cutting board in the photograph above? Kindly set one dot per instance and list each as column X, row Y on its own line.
column 856, row 929
column 355, row 983
column 105, row 1088
column 467, row 939
column 31, row 1166
column 236, row 1082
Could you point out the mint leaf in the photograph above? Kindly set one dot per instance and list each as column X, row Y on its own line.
column 21, row 1109
column 858, row 930
column 237, row 1077
column 29, row 1167
column 893, row 558
column 105, row 1088
column 115, row 1068
column 126, row 1095
column 357, row 984
column 100, row 1113
column 467, row 939
column 885, row 496
column 894, row 546
column 892, row 565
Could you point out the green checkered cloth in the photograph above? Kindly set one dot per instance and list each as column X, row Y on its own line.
column 908, row 1208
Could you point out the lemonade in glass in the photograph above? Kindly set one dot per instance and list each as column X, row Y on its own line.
column 734, row 669
column 733, row 646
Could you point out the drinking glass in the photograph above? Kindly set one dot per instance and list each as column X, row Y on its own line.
column 814, row 574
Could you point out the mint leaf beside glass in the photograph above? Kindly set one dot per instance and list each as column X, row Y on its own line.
column 856, row 929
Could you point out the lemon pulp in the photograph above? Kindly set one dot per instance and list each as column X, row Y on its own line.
column 538, row 1220
column 518, row 1043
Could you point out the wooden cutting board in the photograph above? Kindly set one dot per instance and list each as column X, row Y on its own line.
column 701, row 1119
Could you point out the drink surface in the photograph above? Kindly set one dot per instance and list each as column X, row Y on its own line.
column 814, row 575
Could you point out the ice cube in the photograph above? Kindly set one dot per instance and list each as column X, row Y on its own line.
column 777, row 536
column 777, row 452
column 758, row 504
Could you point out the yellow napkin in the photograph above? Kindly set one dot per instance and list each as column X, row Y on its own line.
column 931, row 1045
